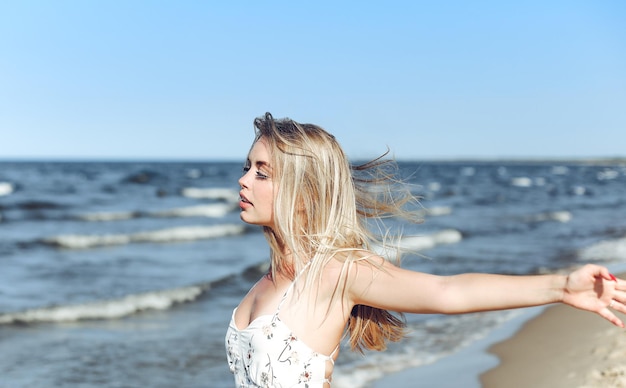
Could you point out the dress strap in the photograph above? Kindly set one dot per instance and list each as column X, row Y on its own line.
column 289, row 289
column 331, row 358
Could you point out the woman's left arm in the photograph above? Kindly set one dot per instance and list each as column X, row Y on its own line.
column 590, row 288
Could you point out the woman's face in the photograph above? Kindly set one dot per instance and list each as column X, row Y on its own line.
column 257, row 189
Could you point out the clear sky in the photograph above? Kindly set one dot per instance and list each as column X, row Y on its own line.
column 185, row 79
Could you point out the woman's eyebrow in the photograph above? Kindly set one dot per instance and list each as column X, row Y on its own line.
column 261, row 163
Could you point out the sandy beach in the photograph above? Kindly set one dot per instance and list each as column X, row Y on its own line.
column 562, row 347
column 557, row 347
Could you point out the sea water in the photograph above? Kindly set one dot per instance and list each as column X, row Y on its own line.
column 125, row 274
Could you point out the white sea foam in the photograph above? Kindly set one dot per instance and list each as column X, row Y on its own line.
column 214, row 210
column 438, row 211
column 522, row 182
column 107, row 309
column 178, row 234
column 211, row 193
column 6, row 188
column 608, row 250
column 106, row 216
column 446, row 236
column 377, row 366
column 434, row 186
column 560, row 170
column 607, row 175
column 559, row 216
column 211, row 210
column 420, row 243
column 78, row 241
column 188, row 233
column 193, row 173
column 428, row 342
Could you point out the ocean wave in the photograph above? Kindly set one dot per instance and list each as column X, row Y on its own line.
column 128, row 305
column 522, row 182
column 38, row 205
column 607, row 175
column 468, row 171
column 107, row 216
column 229, row 195
column 211, row 210
column 419, row 243
column 214, row 210
column 428, row 342
column 108, row 309
column 608, row 250
column 558, row 216
column 6, row 188
column 178, row 234
column 560, row 170
column 145, row 177
column 437, row 211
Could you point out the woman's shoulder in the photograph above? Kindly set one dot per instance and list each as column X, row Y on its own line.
column 355, row 266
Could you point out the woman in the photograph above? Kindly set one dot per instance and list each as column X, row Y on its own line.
column 325, row 282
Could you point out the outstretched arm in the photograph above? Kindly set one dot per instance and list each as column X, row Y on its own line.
column 590, row 288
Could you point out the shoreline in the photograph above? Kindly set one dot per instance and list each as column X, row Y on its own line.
column 546, row 346
column 464, row 367
column 562, row 347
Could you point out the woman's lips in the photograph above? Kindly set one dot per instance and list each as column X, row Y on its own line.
column 243, row 201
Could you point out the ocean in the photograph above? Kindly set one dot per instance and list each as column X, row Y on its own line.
column 125, row 274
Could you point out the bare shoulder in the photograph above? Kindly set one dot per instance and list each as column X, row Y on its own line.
column 355, row 262
column 359, row 269
column 369, row 265
column 375, row 281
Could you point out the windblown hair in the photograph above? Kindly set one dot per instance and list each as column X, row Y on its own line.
column 324, row 209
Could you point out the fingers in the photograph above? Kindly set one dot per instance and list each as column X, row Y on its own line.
column 607, row 314
column 618, row 301
column 598, row 271
column 613, row 319
column 620, row 284
column 618, row 295
column 605, row 274
column 618, row 298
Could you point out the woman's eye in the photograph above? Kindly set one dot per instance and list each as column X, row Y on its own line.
column 245, row 169
column 259, row 174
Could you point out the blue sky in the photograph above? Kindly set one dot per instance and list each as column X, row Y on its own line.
column 431, row 80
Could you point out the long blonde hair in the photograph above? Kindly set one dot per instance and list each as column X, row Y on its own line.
column 322, row 209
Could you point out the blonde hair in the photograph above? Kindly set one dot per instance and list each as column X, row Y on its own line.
column 322, row 208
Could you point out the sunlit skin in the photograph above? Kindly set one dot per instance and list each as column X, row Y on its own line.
column 590, row 288
column 339, row 274
column 257, row 187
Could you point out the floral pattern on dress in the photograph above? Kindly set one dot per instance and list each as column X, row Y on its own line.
column 267, row 354
column 291, row 354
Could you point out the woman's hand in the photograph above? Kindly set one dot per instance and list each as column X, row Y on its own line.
column 594, row 288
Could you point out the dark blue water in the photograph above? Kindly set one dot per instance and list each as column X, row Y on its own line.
column 125, row 274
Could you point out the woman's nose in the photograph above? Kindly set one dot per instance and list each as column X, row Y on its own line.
column 242, row 181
